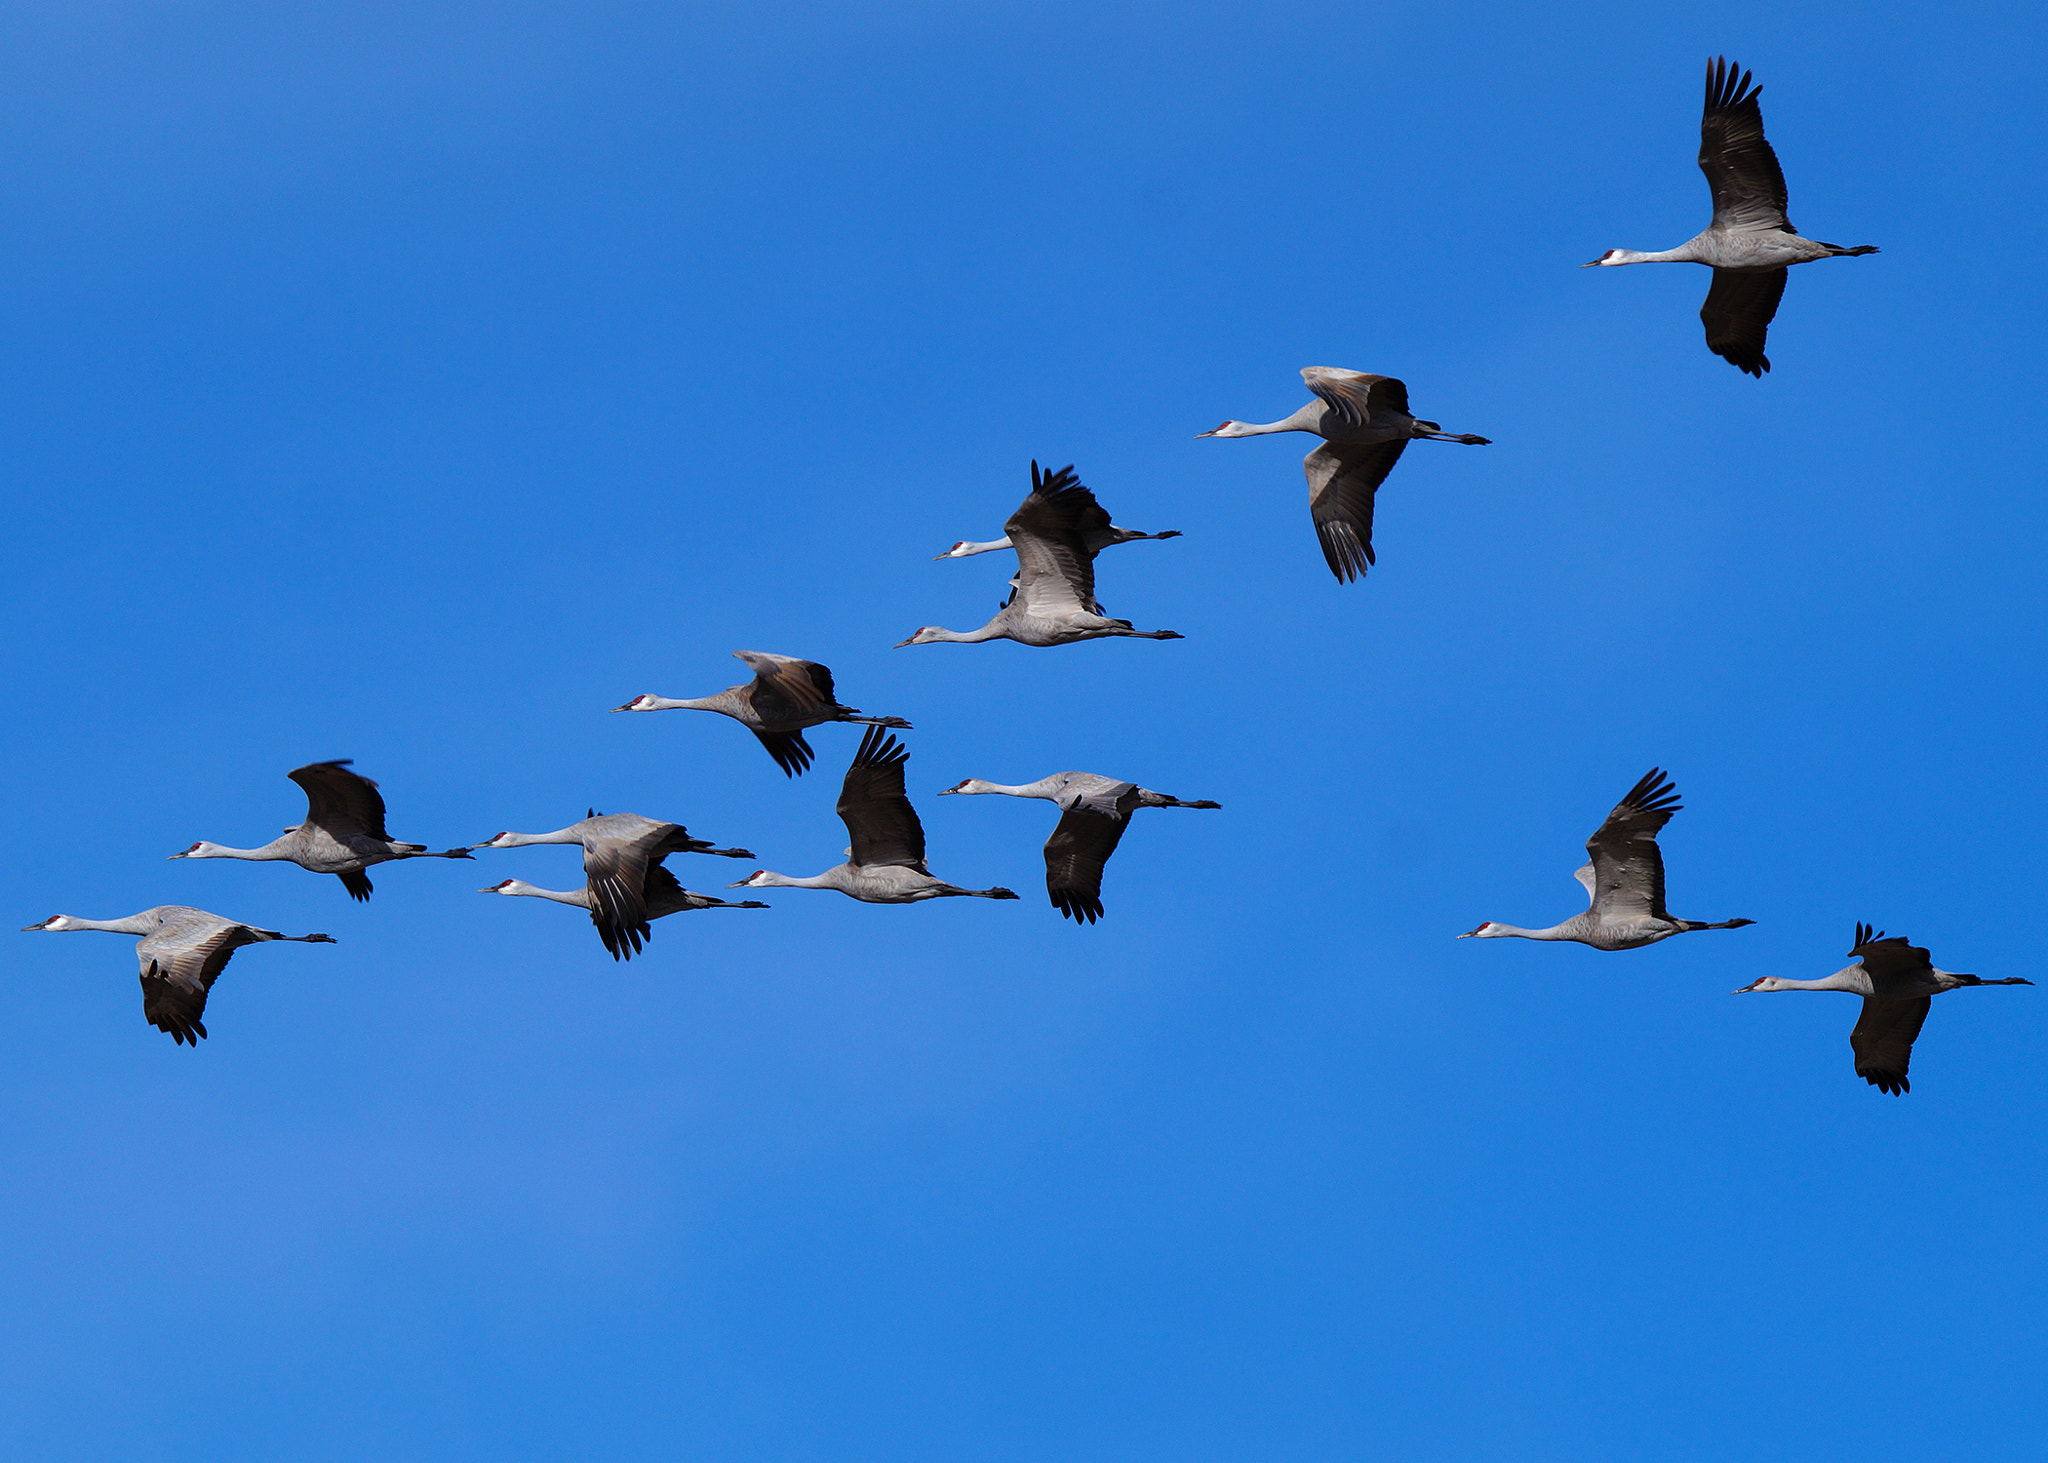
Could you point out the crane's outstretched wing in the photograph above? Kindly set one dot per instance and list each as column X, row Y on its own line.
column 1628, row 868
column 787, row 689
column 789, row 749
column 179, row 964
column 1741, row 169
column 1074, row 857
column 615, row 864
column 340, row 800
column 1356, row 395
column 1342, row 479
column 1741, row 303
column 1054, row 567
column 1883, row 1040
column 880, row 822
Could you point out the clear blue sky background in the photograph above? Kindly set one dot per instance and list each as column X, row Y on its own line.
column 414, row 382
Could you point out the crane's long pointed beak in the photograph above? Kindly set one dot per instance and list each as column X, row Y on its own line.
column 1748, row 989
column 170, row 856
column 1200, row 435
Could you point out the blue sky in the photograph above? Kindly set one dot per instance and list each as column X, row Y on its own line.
column 414, row 383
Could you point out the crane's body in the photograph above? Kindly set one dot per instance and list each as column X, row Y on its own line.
column 885, row 864
column 181, row 953
column 1094, row 812
column 622, row 853
column 343, row 833
column 785, row 697
column 1750, row 243
column 1898, row 982
column 1052, row 597
column 1624, row 882
column 1365, row 425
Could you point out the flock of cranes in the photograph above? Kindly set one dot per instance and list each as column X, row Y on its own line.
column 1056, row 533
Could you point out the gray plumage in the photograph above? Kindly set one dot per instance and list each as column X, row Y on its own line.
column 1052, row 598
column 1624, row 882
column 1365, row 425
column 1094, row 812
column 885, row 861
column 1898, row 982
column 343, row 834
column 620, row 852
column 181, row 953
column 786, row 696
column 1750, row 243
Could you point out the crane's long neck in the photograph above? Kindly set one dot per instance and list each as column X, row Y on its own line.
column 1045, row 787
column 277, row 848
column 1565, row 931
column 667, row 703
column 832, row 878
column 1306, row 419
column 939, row 634
column 578, row 897
column 966, row 550
column 1686, row 253
column 571, row 834
column 1853, row 979
column 134, row 924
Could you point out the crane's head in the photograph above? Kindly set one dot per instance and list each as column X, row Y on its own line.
column 54, row 922
column 923, row 635
column 1766, row 983
column 1612, row 256
column 1487, row 931
column 756, row 880
column 505, row 888
column 644, row 702
column 966, row 784
column 959, row 551
column 496, row 840
column 1228, row 429
column 202, row 849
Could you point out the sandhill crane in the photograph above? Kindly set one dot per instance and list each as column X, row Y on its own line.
column 1052, row 599
column 1625, row 881
column 886, row 863
column 343, row 833
column 1750, row 242
column 662, row 892
column 1365, row 426
column 1094, row 812
column 785, row 696
column 620, row 851
column 1898, row 982
column 182, row 952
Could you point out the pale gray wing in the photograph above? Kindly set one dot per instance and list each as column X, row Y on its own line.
column 615, row 868
column 1584, row 874
column 1883, row 1040
column 1743, row 172
column 1342, row 479
column 1740, row 305
column 1356, row 395
column 880, row 823
column 180, row 963
column 341, row 801
column 1628, row 868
